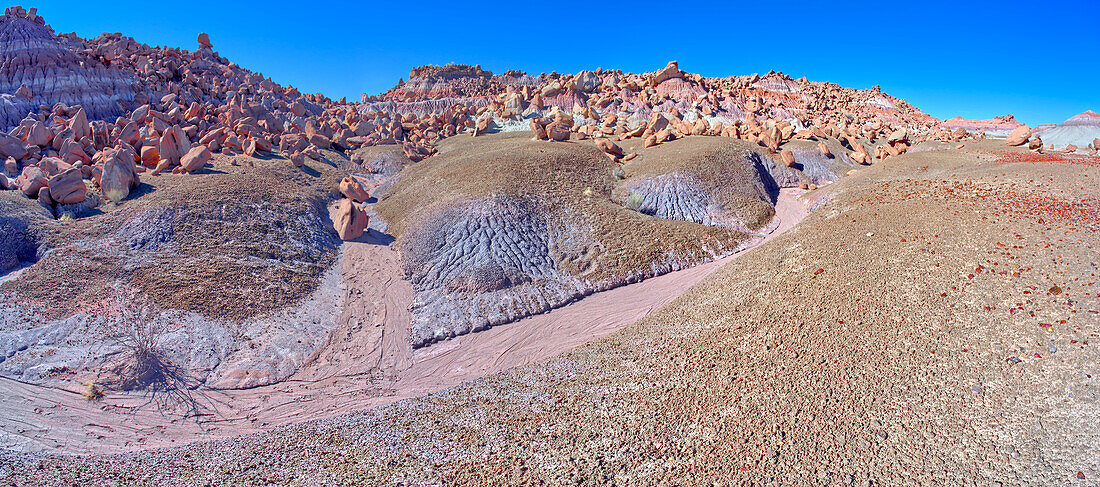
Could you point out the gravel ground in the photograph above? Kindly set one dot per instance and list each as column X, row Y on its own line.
column 934, row 323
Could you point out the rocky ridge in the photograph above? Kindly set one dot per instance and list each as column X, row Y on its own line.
column 1002, row 125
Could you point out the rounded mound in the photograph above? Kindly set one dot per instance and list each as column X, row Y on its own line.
column 507, row 227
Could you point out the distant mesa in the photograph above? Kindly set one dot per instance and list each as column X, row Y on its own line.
column 1081, row 131
column 996, row 126
column 1087, row 118
column 449, row 71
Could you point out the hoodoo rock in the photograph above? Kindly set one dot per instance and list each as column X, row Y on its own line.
column 1018, row 136
column 45, row 69
column 349, row 220
column 204, row 41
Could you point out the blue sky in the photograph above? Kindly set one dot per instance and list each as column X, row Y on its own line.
column 1037, row 60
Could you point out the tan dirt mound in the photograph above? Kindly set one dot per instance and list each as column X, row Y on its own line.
column 504, row 227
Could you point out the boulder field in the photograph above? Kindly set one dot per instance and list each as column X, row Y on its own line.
column 148, row 151
column 934, row 305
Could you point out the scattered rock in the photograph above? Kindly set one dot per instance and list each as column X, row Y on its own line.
column 558, row 131
column 12, row 147
column 194, row 159
column 670, row 71
column 1018, row 136
column 787, row 157
column 119, row 177
column 31, row 180
column 538, row 129
column 609, row 147
column 349, row 220
column 79, row 125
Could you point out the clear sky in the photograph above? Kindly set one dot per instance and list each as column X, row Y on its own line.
column 1037, row 60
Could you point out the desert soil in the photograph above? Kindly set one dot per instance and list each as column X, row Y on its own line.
column 934, row 323
column 366, row 363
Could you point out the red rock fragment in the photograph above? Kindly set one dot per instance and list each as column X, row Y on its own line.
column 68, row 187
column 118, row 178
column 1018, row 136
column 194, row 159
column 349, row 220
column 353, row 189
column 787, row 157
column 609, row 147
column 558, row 131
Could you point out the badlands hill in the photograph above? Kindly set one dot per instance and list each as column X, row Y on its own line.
column 864, row 346
column 206, row 189
column 1079, row 132
column 599, row 277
